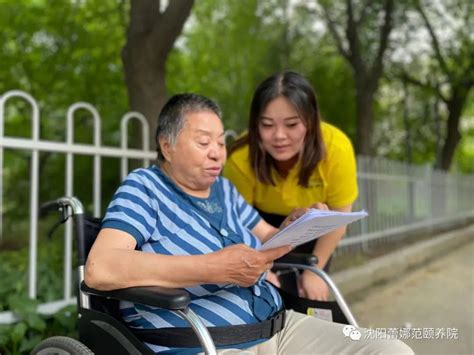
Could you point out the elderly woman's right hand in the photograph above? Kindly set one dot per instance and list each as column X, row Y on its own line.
column 242, row 265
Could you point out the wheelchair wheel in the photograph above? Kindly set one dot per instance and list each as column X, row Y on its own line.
column 59, row 345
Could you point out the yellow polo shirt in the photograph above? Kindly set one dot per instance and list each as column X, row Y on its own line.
column 334, row 181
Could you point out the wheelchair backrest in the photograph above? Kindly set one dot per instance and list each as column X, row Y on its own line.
column 91, row 230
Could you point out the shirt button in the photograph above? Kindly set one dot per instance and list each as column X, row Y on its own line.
column 224, row 232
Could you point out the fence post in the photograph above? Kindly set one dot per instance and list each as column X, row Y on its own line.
column 124, row 139
column 70, row 184
column 363, row 196
column 34, row 168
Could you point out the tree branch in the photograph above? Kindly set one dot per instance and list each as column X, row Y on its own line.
column 387, row 27
column 434, row 40
column 143, row 14
column 404, row 76
column 172, row 22
column 332, row 28
column 363, row 12
column 353, row 40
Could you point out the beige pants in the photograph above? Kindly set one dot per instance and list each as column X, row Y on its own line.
column 308, row 335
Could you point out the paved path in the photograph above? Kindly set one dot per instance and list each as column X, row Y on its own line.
column 439, row 296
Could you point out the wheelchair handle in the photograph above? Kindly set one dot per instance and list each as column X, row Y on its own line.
column 77, row 213
column 62, row 203
column 73, row 203
column 70, row 207
column 48, row 207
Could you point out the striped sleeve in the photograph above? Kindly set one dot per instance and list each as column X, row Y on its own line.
column 247, row 214
column 133, row 209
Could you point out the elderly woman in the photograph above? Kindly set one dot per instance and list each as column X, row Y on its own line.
column 181, row 225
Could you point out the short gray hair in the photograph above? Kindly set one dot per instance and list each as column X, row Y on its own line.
column 172, row 117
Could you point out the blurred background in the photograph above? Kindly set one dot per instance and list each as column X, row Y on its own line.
column 396, row 76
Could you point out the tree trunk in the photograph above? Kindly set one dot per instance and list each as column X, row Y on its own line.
column 146, row 87
column 365, row 118
column 150, row 38
column 367, row 68
column 453, row 136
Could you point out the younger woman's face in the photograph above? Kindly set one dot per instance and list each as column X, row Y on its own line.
column 282, row 130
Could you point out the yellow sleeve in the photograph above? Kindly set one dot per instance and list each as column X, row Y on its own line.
column 342, row 175
column 242, row 178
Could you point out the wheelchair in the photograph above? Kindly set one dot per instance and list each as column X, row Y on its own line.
column 101, row 329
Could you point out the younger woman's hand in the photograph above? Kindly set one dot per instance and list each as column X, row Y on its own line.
column 293, row 216
column 312, row 287
column 320, row 206
column 273, row 279
column 298, row 212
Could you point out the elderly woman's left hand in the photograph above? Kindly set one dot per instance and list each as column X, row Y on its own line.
column 242, row 265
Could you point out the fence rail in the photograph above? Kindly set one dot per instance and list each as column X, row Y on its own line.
column 398, row 197
column 401, row 197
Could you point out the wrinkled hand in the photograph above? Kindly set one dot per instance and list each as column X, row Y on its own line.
column 242, row 265
column 311, row 286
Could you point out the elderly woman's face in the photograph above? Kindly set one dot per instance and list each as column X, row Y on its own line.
column 199, row 154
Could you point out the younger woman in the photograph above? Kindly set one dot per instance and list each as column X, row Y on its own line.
column 291, row 159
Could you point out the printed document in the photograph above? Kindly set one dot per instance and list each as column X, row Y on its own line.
column 311, row 225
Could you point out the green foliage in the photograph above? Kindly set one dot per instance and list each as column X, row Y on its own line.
column 465, row 156
column 69, row 52
column 224, row 55
column 415, row 138
column 465, row 153
column 228, row 49
column 60, row 54
column 65, row 51
column 331, row 78
column 21, row 337
column 14, row 271
column 440, row 71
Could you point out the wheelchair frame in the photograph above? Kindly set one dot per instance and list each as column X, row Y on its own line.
column 94, row 325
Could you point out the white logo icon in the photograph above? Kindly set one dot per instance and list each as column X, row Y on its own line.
column 352, row 332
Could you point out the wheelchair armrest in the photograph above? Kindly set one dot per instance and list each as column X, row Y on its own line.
column 295, row 258
column 166, row 298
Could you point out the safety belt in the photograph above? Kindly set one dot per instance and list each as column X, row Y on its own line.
column 227, row 335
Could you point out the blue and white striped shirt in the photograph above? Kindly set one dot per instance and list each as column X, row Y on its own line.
column 164, row 220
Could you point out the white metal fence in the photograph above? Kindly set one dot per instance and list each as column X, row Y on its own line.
column 398, row 197
column 402, row 198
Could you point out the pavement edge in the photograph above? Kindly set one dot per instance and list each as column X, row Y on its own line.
column 393, row 265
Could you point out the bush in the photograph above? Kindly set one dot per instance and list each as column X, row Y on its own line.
column 21, row 337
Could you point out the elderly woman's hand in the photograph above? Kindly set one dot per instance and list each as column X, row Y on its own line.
column 242, row 265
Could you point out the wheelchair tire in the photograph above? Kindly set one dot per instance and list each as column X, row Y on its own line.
column 60, row 345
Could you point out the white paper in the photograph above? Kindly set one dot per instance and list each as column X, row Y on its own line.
column 312, row 225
